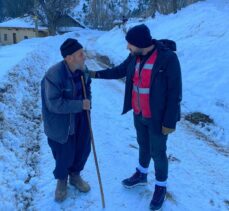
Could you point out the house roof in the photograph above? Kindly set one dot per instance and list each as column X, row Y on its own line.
column 25, row 22
column 75, row 20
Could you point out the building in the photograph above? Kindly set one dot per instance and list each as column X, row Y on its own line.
column 67, row 23
column 18, row 29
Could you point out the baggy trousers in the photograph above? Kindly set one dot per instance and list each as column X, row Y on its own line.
column 151, row 145
column 72, row 156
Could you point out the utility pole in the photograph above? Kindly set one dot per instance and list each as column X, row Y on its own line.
column 36, row 18
column 36, row 25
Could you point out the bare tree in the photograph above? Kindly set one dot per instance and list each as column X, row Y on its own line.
column 171, row 6
column 16, row 8
column 50, row 11
column 125, row 10
column 101, row 14
column 1, row 11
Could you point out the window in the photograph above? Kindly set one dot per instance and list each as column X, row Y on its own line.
column 5, row 37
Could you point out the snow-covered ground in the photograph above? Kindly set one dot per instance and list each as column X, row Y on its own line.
column 199, row 173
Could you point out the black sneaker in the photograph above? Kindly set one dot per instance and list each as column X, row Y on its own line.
column 137, row 179
column 158, row 197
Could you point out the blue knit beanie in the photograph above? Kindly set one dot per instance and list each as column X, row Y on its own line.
column 70, row 46
column 139, row 36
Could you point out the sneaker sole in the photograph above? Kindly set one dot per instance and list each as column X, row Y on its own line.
column 133, row 186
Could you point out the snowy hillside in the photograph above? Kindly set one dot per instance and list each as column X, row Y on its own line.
column 201, row 32
column 198, row 154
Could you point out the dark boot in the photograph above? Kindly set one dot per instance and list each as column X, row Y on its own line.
column 137, row 179
column 158, row 197
column 61, row 190
column 77, row 181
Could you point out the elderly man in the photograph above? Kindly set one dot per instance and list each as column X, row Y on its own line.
column 153, row 90
column 65, row 120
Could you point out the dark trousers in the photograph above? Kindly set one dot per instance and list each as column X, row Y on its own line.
column 72, row 156
column 151, row 145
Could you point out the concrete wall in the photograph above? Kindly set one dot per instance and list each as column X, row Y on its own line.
column 15, row 35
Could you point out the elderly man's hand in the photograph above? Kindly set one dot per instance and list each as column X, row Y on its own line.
column 86, row 104
column 166, row 131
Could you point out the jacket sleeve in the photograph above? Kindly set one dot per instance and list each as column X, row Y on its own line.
column 55, row 101
column 116, row 72
column 174, row 92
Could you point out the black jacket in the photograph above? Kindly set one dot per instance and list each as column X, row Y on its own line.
column 165, row 88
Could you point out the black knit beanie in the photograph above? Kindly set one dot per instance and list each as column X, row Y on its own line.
column 70, row 46
column 139, row 36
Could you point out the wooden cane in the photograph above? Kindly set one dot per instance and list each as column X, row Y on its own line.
column 93, row 146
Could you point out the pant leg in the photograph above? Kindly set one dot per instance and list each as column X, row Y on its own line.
column 158, row 154
column 143, row 141
column 82, row 144
column 63, row 155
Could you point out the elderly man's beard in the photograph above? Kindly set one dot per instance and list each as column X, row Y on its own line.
column 80, row 67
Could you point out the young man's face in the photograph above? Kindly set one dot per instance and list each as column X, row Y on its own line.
column 134, row 50
column 77, row 59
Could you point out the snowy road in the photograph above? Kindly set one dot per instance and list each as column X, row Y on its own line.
column 198, row 173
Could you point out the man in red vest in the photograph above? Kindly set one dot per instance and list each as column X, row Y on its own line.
column 153, row 89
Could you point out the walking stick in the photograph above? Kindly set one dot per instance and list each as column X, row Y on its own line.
column 93, row 146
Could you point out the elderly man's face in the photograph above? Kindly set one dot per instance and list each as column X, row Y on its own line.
column 134, row 50
column 77, row 59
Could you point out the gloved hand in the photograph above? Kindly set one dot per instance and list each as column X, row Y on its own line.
column 166, row 131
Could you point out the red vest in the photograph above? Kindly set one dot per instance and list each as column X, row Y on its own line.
column 141, row 86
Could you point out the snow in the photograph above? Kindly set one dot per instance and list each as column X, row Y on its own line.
column 26, row 22
column 198, row 157
column 202, row 54
column 78, row 11
column 132, row 5
column 103, row 45
column 11, row 55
